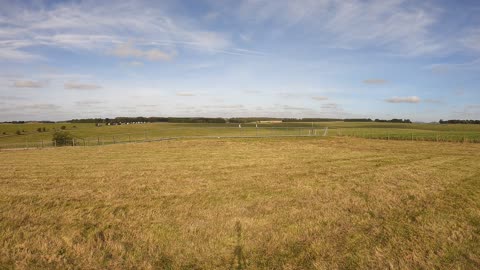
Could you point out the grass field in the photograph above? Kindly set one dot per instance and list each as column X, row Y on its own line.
column 89, row 134
column 259, row 203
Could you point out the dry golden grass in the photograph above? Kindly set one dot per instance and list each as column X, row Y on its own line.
column 296, row 203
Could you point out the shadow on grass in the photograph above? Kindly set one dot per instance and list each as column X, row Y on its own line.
column 238, row 261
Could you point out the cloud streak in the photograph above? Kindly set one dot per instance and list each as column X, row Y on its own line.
column 375, row 81
column 128, row 50
column 98, row 27
column 81, row 86
column 28, row 84
column 320, row 98
column 185, row 94
column 409, row 99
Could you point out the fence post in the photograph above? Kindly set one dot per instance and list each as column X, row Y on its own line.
column 145, row 135
column 73, row 142
column 113, row 139
column 54, row 143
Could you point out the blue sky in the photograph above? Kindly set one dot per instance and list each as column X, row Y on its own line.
column 326, row 58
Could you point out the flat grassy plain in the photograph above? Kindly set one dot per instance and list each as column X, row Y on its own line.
column 89, row 134
column 257, row 203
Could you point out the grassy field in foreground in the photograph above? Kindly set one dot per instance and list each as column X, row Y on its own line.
column 89, row 134
column 290, row 203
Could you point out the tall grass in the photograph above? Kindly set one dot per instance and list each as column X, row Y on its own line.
column 289, row 203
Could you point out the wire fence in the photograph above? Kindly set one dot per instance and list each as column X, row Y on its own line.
column 245, row 132
column 169, row 134
column 408, row 135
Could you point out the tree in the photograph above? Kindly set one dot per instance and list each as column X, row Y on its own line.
column 62, row 138
column 39, row 129
column 63, row 127
column 18, row 132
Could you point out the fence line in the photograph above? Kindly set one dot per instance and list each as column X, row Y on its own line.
column 413, row 136
column 148, row 136
column 244, row 132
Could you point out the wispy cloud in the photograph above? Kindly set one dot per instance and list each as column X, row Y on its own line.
column 89, row 102
column 12, row 98
column 251, row 91
column 375, row 81
column 433, row 101
column 330, row 106
column 39, row 107
column 81, row 86
column 99, row 27
column 445, row 67
column 471, row 39
column 320, row 98
column 410, row 99
column 128, row 50
column 390, row 24
column 28, row 84
column 185, row 94
column 135, row 64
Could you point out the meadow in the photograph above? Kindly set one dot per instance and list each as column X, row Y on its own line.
column 26, row 135
column 242, row 203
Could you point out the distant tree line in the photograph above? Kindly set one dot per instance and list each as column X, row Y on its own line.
column 345, row 120
column 118, row 120
column 311, row 120
column 23, row 122
column 394, row 121
column 459, row 121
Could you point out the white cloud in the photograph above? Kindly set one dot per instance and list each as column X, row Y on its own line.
column 445, row 67
column 14, row 54
column 89, row 102
column 81, row 86
column 320, row 98
column 433, row 101
column 39, row 107
column 99, row 27
column 135, row 63
column 128, row 50
column 471, row 39
column 28, row 84
column 392, row 24
column 185, row 94
column 375, row 81
column 410, row 99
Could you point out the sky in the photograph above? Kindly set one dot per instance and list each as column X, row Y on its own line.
column 384, row 59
